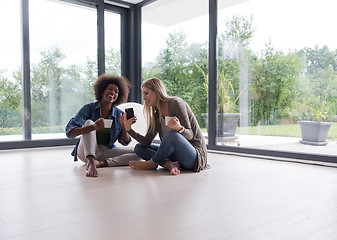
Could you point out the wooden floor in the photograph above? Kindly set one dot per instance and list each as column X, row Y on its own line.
column 45, row 195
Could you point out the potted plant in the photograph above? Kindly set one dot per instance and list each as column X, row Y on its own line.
column 226, row 120
column 315, row 131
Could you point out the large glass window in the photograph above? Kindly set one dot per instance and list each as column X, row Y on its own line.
column 112, row 31
column 277, row 66
column 63, row 40
column 10, row 72
column 175, row 50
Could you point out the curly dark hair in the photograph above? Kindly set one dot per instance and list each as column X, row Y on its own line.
column 104, row 80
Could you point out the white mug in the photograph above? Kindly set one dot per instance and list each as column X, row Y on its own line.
column 107, row 123
column 167, row 119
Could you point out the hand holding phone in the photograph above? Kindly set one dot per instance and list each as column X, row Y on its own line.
column 129, row 113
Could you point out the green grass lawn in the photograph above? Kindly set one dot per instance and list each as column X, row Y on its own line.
column 287, row 130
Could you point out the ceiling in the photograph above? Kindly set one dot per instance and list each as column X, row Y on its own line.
column 171, row 12
column 133, row 1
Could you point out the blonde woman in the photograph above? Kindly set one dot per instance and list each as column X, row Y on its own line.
column 182, row 143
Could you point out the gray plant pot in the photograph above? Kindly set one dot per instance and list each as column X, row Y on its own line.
column 314, row 133
column 226, row 125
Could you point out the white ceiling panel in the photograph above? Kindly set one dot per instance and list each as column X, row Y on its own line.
column 170, row 12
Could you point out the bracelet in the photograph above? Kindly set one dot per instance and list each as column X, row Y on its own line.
column 181, row 130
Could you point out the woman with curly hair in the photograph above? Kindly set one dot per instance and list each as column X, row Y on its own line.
column 96, row 146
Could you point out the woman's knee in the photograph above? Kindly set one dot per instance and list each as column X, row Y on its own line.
column 172, row 135
column 138, row 149
column 89, row 122
column 145, row 153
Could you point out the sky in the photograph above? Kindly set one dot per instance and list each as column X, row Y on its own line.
column 292, row 24
column 288, row 24
column 69, row 27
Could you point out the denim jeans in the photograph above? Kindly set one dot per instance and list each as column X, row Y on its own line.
column 173, row 147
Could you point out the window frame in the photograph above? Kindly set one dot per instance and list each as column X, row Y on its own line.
column 131, row 68
column 126, row 55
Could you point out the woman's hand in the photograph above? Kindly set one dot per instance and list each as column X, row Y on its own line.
column 99, row 124
column 126, row 123
column 174, row 124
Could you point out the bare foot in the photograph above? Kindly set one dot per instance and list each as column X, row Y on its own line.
column 143, row 165
column 173, row 167
column 91, row 169
column 98, row 164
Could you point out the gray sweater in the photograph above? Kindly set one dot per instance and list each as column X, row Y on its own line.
column 179, row 108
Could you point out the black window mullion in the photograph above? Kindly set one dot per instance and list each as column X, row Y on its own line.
column 100, row 39
column 212, row 71
column 27, row 122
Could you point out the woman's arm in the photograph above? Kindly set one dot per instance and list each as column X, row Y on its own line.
column 125, row 134
column 181, row 110
column 143, row 140
column 99, row 124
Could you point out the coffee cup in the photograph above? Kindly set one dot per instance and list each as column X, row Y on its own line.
column 167, row 119
column 107, row 123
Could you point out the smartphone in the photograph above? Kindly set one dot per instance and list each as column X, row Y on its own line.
column 129, row 113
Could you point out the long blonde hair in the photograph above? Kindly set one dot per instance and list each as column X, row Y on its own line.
column 159, row 88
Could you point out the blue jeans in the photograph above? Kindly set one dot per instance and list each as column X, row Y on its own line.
column 173, row 147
